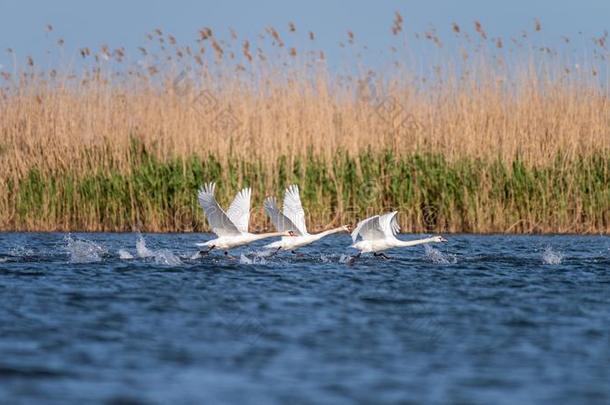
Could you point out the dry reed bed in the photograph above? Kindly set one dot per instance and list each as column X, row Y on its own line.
column 253, row 110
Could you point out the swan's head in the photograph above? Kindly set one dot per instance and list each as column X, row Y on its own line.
column 347, row 228
column 438, row 239
column 290, row 233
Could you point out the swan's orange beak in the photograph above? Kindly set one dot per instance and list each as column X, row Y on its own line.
column 349, row 228
column 291, row 233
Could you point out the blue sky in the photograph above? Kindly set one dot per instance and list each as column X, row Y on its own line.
column 125, row 23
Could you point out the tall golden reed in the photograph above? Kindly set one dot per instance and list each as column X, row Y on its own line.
column 241, row 100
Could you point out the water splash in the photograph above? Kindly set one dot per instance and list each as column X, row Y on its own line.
column 83, row 251
column 325, row 258
column 437, row 257
column 328, row 258
column 243, row 259
column 344, row 258
column 162, row 257
column 21, row 251
column 264, row 253
column 166, row 258
column 141, row 249
column 550, row 256
column 124, row 254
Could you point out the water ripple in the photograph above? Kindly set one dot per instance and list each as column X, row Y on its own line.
column 137, row 318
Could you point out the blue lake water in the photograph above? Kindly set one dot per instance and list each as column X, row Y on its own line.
column 480, row 319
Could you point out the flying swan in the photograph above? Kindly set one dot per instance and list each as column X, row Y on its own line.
column 231, row 227
column 378, row 233
column 293, row 219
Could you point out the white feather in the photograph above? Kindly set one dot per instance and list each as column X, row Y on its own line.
column 239, row 210
column 293, row 209
column 220, row 223
column 279, row 220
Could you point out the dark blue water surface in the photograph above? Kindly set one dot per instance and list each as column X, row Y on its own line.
column 480, row 319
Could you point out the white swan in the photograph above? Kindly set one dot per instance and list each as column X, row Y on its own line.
column 293, row 219
column 230, row 227
column 378, row 233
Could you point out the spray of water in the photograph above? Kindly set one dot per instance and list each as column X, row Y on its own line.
column 162, row 257
column 436, row 256
column 325, row 258
column 550, row 256
column 264, row 253
column 124, row 254
column 141, row 248
column 243, row 259
column 166, row 258
column 344, row 258
column 83, row 251
column 21, row 251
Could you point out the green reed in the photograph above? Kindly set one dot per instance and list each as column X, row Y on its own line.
column 431, row 193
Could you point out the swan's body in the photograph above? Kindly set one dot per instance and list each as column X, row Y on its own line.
column 295, row 242
column 230, row 242
column 378, row 233
column 231, row 227
column 293, row 219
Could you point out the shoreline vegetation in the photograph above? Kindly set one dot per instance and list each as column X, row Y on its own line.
column 506, row 135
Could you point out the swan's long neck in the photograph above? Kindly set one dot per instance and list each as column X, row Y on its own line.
column 259, row 236
column 406, row 243
column 327, row 232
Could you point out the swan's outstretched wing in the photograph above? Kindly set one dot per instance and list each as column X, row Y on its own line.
column 279, row 220
column 293, row 209
column 389, row 224
column 239, row 210
column 218, row 220
column 369, row 229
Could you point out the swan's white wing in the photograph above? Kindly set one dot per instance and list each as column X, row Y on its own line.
column 368, row 229
column 218, row 220
column 239, row 210
column 280, row 221
column 389, row 224
column 293, row 209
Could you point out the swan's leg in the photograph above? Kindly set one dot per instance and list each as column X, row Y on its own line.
column 275, row 252
column 352, row 259
column 206, row 252
column 381, row 254
column 294, row 252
